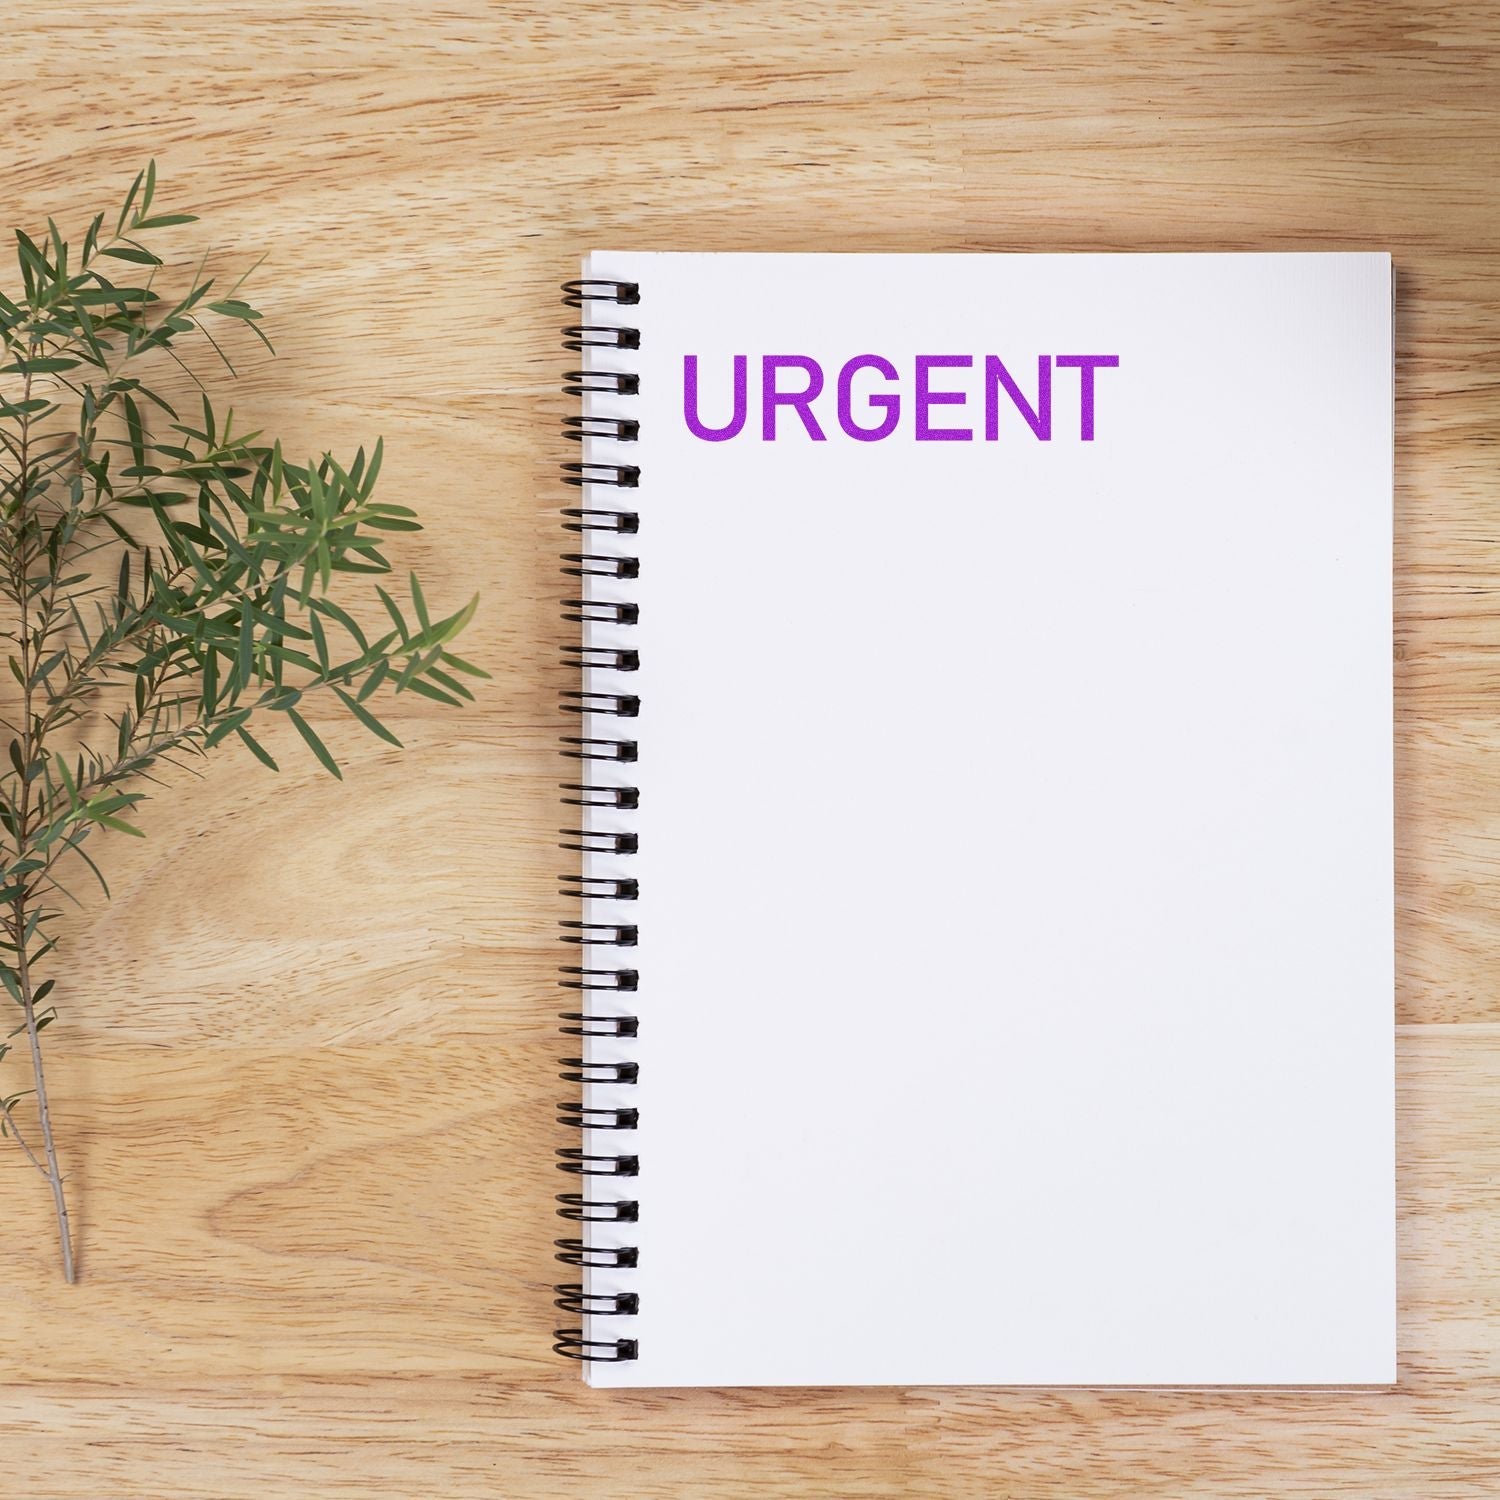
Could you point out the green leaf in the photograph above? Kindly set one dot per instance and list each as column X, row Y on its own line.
column 449, row 684
column 378, row 675
column 333, row 611
column 34, row 268
column 137, row 432
column 118, row 530
column 59, row 249
column 445, row 630
column 133, row 253
column 209, row 675
column 135, row 187
column 380, row 522
column 71, row 787
column 235, row 309
column 225, row 727
column 320, row 641
column 258, row 750
column 48, row 365
column 426, row 690
column 372, row 472
column 368, row 719
column 25, row 408
column 314, row 744
column 394, row 613
column 117, row 824
column 98, row 873
column 466, row 667
column 245, row 648
column 114, row 296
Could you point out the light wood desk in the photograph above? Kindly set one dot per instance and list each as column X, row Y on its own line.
column 305, row 1083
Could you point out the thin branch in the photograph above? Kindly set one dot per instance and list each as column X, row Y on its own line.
column 44, row 1114
column 20, row 563
column 204, row 633
column 15, row 1130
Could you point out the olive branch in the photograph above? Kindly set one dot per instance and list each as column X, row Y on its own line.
column 168, row 581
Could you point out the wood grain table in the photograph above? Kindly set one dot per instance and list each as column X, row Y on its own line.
column 304, row 1072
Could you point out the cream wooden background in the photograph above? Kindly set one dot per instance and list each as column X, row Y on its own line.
column 305, row 1069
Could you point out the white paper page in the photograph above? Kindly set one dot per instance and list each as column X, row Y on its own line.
column 1015, row 828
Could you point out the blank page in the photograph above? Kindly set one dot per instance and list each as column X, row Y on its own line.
column 1015, row 819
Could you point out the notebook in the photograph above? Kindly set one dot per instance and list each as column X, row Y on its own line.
column 978, row 817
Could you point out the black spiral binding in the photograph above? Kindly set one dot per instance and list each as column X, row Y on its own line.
column 597, row 969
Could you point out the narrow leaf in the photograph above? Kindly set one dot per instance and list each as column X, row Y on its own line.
column 118, row 824
column 368, row 719
column 258, row 750
column 314, row 744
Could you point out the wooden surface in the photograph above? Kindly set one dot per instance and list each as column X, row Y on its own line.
column 304, row 1071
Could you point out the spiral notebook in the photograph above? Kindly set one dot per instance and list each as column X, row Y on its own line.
column 979, row 784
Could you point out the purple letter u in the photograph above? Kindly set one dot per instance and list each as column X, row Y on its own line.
column 695, row 424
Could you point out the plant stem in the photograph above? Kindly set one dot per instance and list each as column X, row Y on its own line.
column 29, row 747
column 49, row 1149
column 15, row 1130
